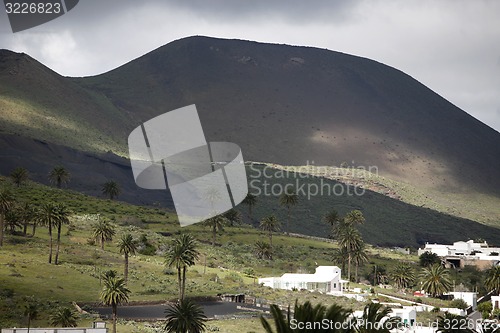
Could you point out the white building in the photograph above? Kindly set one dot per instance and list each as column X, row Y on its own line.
column 465, row 253
column 407, row 314
column 495, row 301
column 326, row 279
column 469, row 297
column 439, row 249
column 460, row 248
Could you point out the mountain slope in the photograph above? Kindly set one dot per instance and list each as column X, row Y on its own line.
column 38, row 103
column 281, row 104
column 312, row 105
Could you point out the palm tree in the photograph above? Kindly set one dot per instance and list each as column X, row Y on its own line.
column 452, row 323
column 403, row 275
column 232, row 216
column 427, row 259
column 492, row 281
column 216, row 223
column 127, row 246
column 270, row 224
column 289, row 199
column 339, row 224
column 185, row 316
column 6, row 203
column 111, row 189
column 103, row 231
column 354, row 217
column 109, row 274
column 378, row 275
column 263, row 250
column 12, row 220
column 64, row 317
column 19, row 175
column 375, row 319
column 27, row 215
column 59, row 175
column 359, row 256
column 182, row 254
column 333, row 218
column 350, row 239
column 47, row 216
column 62, row 218
column 435, row 280
column 31, row 311
column 212, row 195
column 336, row 316
column 340, row 257
column 250, row 200
column 114, row 293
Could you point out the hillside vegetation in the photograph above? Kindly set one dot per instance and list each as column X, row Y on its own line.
column 231, row 266
column 389, row 221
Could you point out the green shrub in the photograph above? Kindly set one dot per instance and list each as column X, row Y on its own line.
column 459, row 304
column 485, row 308
column 249, row 271
column 234, row 277
column 6, row 293
column 148, row 250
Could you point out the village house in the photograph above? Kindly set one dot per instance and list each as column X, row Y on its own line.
column 495, row 302
column 407, row 314
column 326, row 279
column 461, row 254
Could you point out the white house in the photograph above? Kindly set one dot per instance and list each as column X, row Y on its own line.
column 495, row 301
column 326, row 279
column 407, row 314
column 461, row 253
column 469, row 297
column 439, row 249
column 461, row 248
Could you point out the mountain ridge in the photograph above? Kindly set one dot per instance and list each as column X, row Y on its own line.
column 282, row 104
column 338, row 121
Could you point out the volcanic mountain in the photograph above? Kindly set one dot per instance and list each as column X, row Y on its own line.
column 283, row 104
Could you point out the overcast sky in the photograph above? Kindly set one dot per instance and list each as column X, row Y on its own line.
column 452, row 46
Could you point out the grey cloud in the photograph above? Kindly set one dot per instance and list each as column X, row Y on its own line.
column 294, row 11
column 451, row 46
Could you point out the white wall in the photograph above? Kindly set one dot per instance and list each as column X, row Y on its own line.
column 469, row 297
column 407, row 314
column 494, row 301
column 439, row 249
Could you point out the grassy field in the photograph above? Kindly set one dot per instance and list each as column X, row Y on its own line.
column 228, row 267
column 242, row 325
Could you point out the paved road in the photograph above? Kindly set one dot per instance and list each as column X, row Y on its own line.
column 158, row 311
